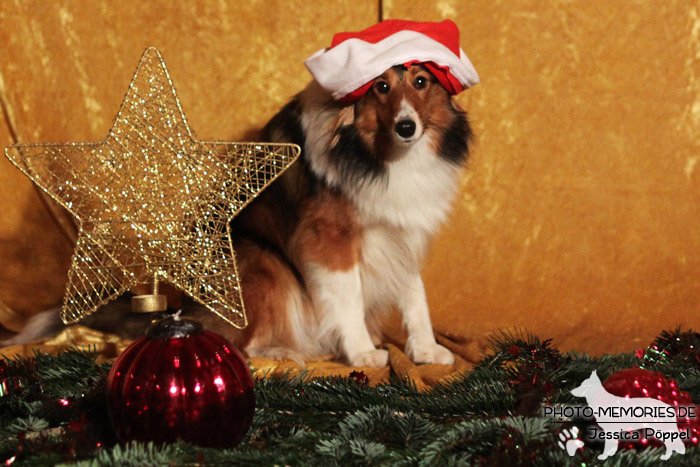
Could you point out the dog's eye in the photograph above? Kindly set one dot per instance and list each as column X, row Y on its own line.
column 382, row 87
column 420, row 82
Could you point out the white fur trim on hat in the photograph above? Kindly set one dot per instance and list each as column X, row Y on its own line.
column 354, row 62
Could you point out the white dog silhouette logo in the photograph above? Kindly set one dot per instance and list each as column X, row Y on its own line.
column 618, row 416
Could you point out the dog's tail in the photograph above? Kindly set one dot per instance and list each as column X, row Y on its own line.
column 115, row 317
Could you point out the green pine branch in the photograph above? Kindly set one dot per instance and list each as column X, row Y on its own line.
column 53, row 411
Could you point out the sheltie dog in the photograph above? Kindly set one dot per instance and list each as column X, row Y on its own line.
column 341, row 236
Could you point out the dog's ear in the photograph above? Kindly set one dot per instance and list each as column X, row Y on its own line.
column 345, row 117
column 456, row 106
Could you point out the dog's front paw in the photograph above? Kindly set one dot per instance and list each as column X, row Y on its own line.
column 375, row 357
column 429, row 353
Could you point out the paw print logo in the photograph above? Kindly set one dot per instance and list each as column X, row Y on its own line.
column 568, row 439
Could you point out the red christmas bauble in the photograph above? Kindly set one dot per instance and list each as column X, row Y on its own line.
column 638, row 382
column 181, row 382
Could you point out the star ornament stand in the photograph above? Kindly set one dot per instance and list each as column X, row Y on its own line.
column 152, row 202
column 150, row 303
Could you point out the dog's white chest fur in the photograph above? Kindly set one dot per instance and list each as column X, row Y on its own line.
column 399, row 213
column 415, row 193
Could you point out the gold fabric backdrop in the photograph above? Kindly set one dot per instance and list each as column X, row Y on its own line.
column 579, row 213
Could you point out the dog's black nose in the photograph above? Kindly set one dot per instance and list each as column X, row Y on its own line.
column 406, row 128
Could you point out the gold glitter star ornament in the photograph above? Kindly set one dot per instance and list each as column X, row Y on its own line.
column 152, row 201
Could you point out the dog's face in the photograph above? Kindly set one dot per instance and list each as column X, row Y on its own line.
column 403, row 106
column 400, row 107
column 587, row 385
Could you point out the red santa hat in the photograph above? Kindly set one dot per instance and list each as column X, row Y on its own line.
column 348, row 68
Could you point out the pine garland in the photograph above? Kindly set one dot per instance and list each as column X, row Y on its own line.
column 53, row 410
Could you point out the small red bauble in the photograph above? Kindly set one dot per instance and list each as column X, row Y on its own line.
column 181, row 382
column 638, row 382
